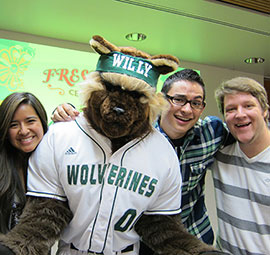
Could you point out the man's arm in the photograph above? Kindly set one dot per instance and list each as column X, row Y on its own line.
column 64, row 112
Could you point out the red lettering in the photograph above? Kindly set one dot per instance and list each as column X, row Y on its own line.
column 49, row 73
column 75, row 76
column 84, row 73
column 63, row 74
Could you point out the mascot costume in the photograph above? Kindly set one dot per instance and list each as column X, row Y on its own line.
column 108, row 180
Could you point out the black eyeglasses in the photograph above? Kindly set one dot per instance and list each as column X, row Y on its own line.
column 181, row 101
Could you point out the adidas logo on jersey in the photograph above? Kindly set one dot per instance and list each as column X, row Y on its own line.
column 70, row 151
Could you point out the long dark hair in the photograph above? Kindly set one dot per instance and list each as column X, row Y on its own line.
column 11, row 159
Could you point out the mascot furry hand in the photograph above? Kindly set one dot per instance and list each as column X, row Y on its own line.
column 107, row 180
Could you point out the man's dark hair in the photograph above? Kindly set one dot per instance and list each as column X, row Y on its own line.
column 186, row 75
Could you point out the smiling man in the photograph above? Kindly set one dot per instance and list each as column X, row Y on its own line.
column 242, row 170
column 195, row 141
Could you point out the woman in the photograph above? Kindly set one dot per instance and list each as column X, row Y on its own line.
column 23, row 122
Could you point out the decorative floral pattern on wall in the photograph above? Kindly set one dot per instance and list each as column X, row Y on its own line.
column 14, row 61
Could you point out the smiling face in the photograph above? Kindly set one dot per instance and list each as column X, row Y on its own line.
column 177, row 120
column 245, row 118
column 25, row 131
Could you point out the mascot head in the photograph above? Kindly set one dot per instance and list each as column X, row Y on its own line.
column 119, row 98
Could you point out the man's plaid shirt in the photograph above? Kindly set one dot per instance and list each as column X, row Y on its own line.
column 196, row 152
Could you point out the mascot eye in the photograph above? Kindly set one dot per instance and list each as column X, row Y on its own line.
column 112, row 88
column 109, row 86
column 136, row 94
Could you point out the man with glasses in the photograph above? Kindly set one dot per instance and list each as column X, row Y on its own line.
column 195, row 142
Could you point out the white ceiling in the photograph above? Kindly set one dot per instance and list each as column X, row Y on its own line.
column 200, row 31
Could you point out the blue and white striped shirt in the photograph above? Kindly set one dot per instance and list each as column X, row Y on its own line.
column 242, row 187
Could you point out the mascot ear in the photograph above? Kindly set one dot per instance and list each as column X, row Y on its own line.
column 102, row 46
column 165, row 63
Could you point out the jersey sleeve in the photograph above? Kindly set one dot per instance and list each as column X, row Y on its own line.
column 169, row 199
column 43, row 177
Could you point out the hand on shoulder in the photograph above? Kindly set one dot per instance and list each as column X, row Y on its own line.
column 64, row 112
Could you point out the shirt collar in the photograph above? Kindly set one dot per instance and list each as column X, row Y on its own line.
column 194, row 131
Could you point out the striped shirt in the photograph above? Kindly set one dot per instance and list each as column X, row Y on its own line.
column 196, row 152
column 242, row 187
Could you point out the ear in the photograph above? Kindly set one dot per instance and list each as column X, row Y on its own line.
column 165, row 63
column 265, row 115
column 102, row 46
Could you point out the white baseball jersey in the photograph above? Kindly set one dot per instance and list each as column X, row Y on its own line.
column 106, row 192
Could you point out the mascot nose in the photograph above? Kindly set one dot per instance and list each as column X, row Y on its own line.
column 118, row 110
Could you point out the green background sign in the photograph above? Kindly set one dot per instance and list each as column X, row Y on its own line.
column 50, row 73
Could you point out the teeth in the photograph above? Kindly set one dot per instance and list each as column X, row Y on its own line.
column 26, row 139
column 242, row 125
column 180, row 118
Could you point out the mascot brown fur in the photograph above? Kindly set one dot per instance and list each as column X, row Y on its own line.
column 121, row 108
